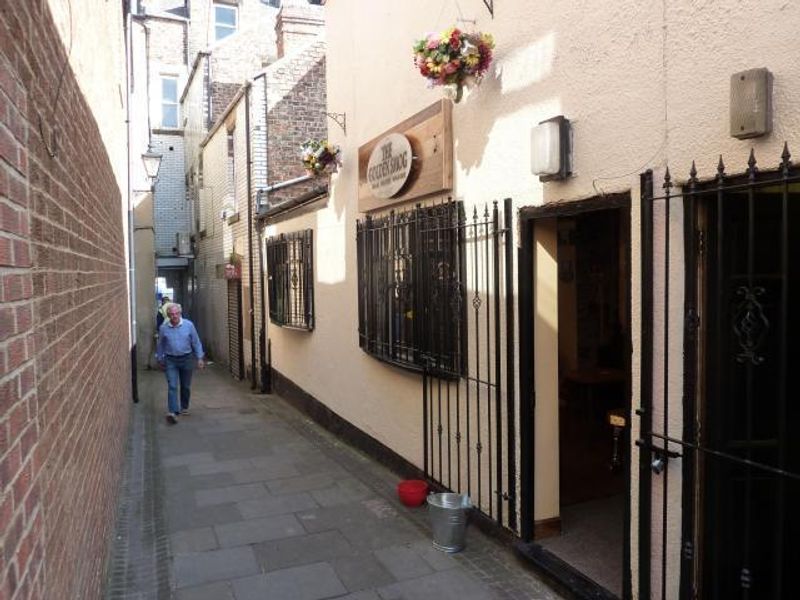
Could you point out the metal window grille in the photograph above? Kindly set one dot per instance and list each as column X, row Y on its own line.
column 411, row 293
column 290, row 271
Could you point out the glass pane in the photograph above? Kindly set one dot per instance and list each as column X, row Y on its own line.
column 169, row 89
column 225, row 15
column 223, row 31
column 169, row 115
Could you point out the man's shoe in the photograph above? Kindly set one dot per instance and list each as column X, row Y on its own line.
column 172, row 418
column 184, row 412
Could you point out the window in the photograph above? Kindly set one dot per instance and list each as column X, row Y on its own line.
column 290, row 282
column 411, row 305
column 225, row 20
column 169, row 101
column 275, row 3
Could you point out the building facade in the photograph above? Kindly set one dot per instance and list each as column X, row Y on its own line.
column 189, row 48
column 566, row 355
column 243, row 164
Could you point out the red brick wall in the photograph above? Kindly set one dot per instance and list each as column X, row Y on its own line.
column 298, row 114
column 64, row 359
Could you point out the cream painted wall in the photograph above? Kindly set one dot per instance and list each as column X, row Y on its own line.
column 101, row 75
column 545, row 325
column 644, row 84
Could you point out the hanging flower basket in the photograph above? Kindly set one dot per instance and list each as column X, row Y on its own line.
column 454, row 58
column 320, row 156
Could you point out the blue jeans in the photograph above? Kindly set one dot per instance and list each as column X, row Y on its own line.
column 179, row 370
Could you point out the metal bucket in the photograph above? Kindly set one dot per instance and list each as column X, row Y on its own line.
column 448, row 513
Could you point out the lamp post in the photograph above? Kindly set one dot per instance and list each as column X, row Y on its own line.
column 152, row 164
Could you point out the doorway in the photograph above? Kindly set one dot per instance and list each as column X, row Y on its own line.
column 581, row 384
column 747, row 494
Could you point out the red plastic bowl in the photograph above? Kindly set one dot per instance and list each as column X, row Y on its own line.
column 412, row 492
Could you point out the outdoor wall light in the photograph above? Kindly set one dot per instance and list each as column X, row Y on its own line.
column 551, row 149
column 152, row 163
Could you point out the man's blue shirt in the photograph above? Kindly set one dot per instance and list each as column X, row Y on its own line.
column 178, row 340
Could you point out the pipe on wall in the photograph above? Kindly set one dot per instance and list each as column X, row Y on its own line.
column 250, row 236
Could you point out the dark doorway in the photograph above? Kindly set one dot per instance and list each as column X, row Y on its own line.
column 235, row 354
column 747, row 520
column 594, row 374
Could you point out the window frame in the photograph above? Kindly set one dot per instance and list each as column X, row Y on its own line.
column 231, row 29
column 170, row 102
column 290, row 279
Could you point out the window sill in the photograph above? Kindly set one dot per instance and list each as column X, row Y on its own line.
column 234, row 218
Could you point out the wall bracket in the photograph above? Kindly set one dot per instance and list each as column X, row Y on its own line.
column 340, row 119
column 490, row 5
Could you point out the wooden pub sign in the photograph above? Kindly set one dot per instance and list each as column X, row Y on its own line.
column 412, row 160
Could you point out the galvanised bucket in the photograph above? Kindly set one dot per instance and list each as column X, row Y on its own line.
column 448, row 513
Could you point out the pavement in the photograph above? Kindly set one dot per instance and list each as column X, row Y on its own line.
column 246, row 499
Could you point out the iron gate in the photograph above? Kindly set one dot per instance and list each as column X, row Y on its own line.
column 469, row 410
column 235, row 354
column 719, row 466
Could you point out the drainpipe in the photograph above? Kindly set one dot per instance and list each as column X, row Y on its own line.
column 250, row 234
column 131, row 253
column 266, row 348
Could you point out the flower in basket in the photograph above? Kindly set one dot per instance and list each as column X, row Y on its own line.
column 320, row 155
column 454, row 58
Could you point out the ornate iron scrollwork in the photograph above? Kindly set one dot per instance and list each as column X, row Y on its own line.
column 750, row 325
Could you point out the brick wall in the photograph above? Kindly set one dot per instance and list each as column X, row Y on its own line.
column 213, row 250
column 221, row 96
column 297, row 104
column 173, row 212
column 64, row 389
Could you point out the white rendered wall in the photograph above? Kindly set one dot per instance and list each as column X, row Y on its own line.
column 645, row 85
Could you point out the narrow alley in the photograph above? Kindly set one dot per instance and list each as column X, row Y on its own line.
column 245, row 498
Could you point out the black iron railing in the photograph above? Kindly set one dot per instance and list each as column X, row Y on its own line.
column 290, row 279
column 718, row 461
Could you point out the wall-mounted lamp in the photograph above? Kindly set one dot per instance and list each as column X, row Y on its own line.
column 551, row 149
column 152, row 163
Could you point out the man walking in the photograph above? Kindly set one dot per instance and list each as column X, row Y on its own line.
column 178, row 347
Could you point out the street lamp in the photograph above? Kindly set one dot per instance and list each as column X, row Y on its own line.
column 152, row 163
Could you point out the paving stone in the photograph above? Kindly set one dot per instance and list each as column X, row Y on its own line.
column 438, row 560
column 306, row 549
column 258, row 530
column 220, row 466
column 373, row 535
column 455, row 584
column 213, row 591
column 193, row 540
column 185, row 483
column 215, row 565
column 345, row 491
column 303, row 483
column 403, row 562
column 360, row 572
column 335, row 517
column 233, row 493
column 268, row 506
column 189, row 458
column 310, row 582
column 267, row 472
column 182, row 515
